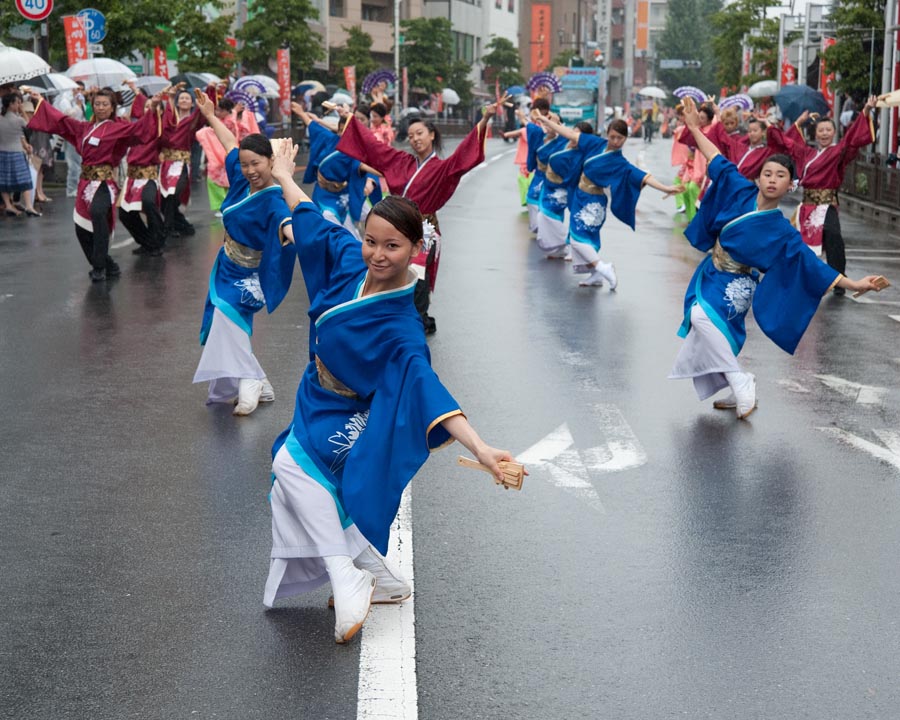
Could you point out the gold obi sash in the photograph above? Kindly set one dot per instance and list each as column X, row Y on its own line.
column 541, row 166
column 552, row 176
column 97, row 172
column 150, row 172
column 167, row 154
column 823, row 196
column 589, row 187
column 330, row 185
column 240, row 254
column 331, row 383
column 725, row 263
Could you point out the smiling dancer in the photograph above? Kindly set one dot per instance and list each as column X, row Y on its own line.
column 369, row 384
column 743, row 226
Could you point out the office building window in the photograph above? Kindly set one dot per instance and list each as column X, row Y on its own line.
column 336, row 8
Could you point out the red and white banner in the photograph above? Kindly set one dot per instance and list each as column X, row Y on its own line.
column 405, row 87
column 540, row 36
column 350, row 80
column 160, row 62
column 283, row 57
column 76, row 39
column 745, row 65
column 788, row 71
column 825, row 81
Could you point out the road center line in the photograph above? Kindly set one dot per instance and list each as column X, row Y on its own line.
column 387, row 655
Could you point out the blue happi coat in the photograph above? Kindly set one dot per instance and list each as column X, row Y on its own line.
column 794, row 278
column 565, row 163
column 604, row 168
column 534, row 136
column 255, row 220
column 337, row 167
column 369, row 405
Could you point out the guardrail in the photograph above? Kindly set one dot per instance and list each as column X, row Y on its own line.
column 871, row 179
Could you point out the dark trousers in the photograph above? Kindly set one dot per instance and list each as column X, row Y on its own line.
column 95, row 245
column 152, row 234
column 833, row 241
column 172, row 215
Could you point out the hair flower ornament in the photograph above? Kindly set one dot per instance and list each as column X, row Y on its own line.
column 429, row 235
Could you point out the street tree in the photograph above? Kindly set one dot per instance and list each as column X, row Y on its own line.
column 730, row 26
column 561, row 59
column 684, row 39
column 427, row 52
column 275, row 24
column 356, row 51
column 856, row 57
column 502, row 62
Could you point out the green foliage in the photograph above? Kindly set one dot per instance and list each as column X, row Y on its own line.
column 502, row 61
column 562, row 59
column 427, row 53
column 853, row 54
column 356, row 51
column 458, row 79
column 274, row 24
column 201, row 42
column 684, row 38
column 730, row 25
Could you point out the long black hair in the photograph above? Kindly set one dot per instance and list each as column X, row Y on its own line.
column 402, row 213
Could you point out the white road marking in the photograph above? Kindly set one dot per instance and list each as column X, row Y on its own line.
column 894, row 317
column 891, row 440
column 862, row 394
column 387, row 655
column 622, row 449
column 892, row 458
column 121, row 244
column 6, row 296
column 793, row 386
column 871, row 299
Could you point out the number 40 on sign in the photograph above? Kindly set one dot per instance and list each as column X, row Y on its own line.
column 34, row 9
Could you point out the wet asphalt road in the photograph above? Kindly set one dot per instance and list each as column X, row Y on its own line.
column 669, row 562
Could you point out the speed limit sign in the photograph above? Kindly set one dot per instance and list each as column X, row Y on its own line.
column 34, row 9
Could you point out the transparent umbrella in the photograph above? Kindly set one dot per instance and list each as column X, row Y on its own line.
column 763, row 88
column 100, row 72
column 449, row 96
column 653, row 92
column 52, row 83
column 152, row 84
column 269, row 85
column 18, row 65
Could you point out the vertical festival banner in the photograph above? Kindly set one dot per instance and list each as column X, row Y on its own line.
column 160, row 62
column 76, row 40
column 283, row 57
column 405, row 87
column 826, row 80
column 788, row 71
column 745, row 65
column 540, row 37
column 642, row 36
column 350, row 80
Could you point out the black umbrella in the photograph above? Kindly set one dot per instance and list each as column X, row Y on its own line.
column 191, row 80
column 795, row 99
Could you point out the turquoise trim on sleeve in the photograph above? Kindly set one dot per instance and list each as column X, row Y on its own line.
column 228, row 310
column 308, row 466
column 251, row 196
column 362, row 301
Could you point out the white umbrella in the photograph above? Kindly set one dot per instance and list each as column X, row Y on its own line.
column 270, row 84
column 652, row 91
column 152, row 84
column 210, row 77
column 449, row 96
column 52, row 83
column 18, row 65
column 101, row 72
column 763, row 88
column 340, row 98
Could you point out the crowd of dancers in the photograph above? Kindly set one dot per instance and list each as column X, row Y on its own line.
column 369, row 408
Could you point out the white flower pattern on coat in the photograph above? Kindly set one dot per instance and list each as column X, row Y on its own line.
column 251, row 291
column 591, row 215
column 345, row 439
column 739, row 295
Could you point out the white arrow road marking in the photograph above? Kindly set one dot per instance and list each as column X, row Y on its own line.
column 891, row 440
column 570, row 469
column 862, row 394
column 894, row 317
column 868, row 299
column 387, row 652
column 889, row 456
column 793, row 386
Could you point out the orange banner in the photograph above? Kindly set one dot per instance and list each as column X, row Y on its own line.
column 642, row 37
column 283, row 57
column 76, row 39
column 826, row 80
column 160, row 62
column 540, row 37
column 350, row 79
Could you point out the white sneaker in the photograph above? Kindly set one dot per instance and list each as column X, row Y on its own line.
column 744, row 388
column 390, row 587
column 249, row 390
column 595, row 279
column 608, row 271
column 218, row 213
column 268, row 392
column 568, row 256
column 352, row 602
column 729, row 402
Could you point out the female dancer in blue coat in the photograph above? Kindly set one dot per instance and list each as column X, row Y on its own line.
column 369, row 410
column 741, row 223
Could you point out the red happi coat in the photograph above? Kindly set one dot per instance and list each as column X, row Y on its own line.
column 178, row 134
column 139, row 156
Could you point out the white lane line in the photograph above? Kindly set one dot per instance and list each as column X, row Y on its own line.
column 867, row 300
column 387, row 655
column 793, row 386
column 860, row 444
column 872, row 258
column 894, row 317
column 887, row 251
column 862, row 394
